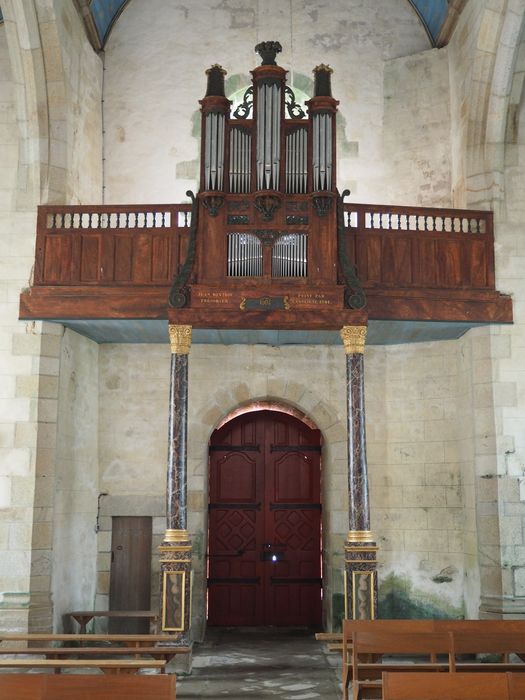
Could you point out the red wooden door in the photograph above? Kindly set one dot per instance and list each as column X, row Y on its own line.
column 264, row 522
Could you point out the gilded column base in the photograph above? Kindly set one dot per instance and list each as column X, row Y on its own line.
column 360, row 576
column 175, row 586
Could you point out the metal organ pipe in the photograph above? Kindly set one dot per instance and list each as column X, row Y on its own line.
column 296, row 161
column 240, row 159
column 289, row 256
column 268, row 135
column 323, row 108
column 244, row 255
column 322, row 151
column 214, row 151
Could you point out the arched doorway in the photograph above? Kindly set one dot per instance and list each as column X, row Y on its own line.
column 265, row 522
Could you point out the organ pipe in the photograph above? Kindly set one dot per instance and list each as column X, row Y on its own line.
column 268, row 135
column 214, row 151
column 240, row 160
column 289, row 256
column 245, row 256
column 322, row 108
column 215, row 108
column 296, row 161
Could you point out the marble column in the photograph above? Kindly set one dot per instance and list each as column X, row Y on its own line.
column 175, row 550
column 360, row 547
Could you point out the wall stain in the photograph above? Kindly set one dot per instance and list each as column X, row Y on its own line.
column 398, row 600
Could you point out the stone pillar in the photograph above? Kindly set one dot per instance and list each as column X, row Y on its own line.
column 360, row 547
column 175, row 550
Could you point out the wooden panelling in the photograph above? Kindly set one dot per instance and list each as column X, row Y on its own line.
column 423, row 263
column 417, row 247
column 112, row 245
column 160, row 259
column 476, row 264
column 396, row 261
column 448, row 264
column 90, row 257
column 123, row 258
column 119, row 262
column 56, row 253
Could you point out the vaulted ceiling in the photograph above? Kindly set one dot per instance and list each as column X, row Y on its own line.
column 101, row 15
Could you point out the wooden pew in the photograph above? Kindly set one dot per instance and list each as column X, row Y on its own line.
column 129, row 640
column 492, row 641
column 156, row 652
column 397, row 626
column 447, row 686
column 38, row 686
column 516, row 686
column 370, row 646
column 334, row 637
column 114, row 666
column 84, row 617
column 480, row 629
column 333, row 640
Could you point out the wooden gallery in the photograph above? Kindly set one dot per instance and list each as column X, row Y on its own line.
column 269, row 404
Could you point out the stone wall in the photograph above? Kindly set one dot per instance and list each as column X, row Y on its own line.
column 445, row 420
column 154, row 77
column 19, row 371
column 76, row 480
column 419, row 453
column 50, row 97
column 417, row 130
column 487, row 69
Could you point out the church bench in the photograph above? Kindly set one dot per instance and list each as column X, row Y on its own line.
column 329, row 636
column 377, row 626
column 115, row 666
column 129, row 640
column 157, row 652
column 333, row 640
column 481, row 628
column 39, row 686
column 516, row 686
column 492, row 641
column 446, row 686
column 84, row 617
column 370, row 646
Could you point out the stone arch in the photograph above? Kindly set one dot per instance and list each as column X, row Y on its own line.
column 489, row 89
column 297, row 399
column 28, row 70
column 56, row 73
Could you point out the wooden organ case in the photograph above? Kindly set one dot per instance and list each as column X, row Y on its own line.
column 263, row 249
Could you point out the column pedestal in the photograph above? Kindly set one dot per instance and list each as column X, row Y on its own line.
column 175, row 550
column 360, row 547
column 176, row 575
column 360, row 577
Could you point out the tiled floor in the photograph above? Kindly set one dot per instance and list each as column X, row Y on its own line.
column 244, row 663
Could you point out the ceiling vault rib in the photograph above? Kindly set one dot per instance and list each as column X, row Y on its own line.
column 83, row 7
column 455, row 8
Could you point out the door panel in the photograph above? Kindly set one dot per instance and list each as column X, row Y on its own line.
column 130, row 574
column 264, row 522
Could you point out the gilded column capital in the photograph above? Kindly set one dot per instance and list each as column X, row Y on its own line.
column 354, row 338
column 180, row 339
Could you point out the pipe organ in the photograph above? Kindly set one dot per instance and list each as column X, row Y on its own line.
column 265, row 221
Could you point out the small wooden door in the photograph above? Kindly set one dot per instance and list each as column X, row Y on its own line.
column 130, row 574
column 265, row 522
